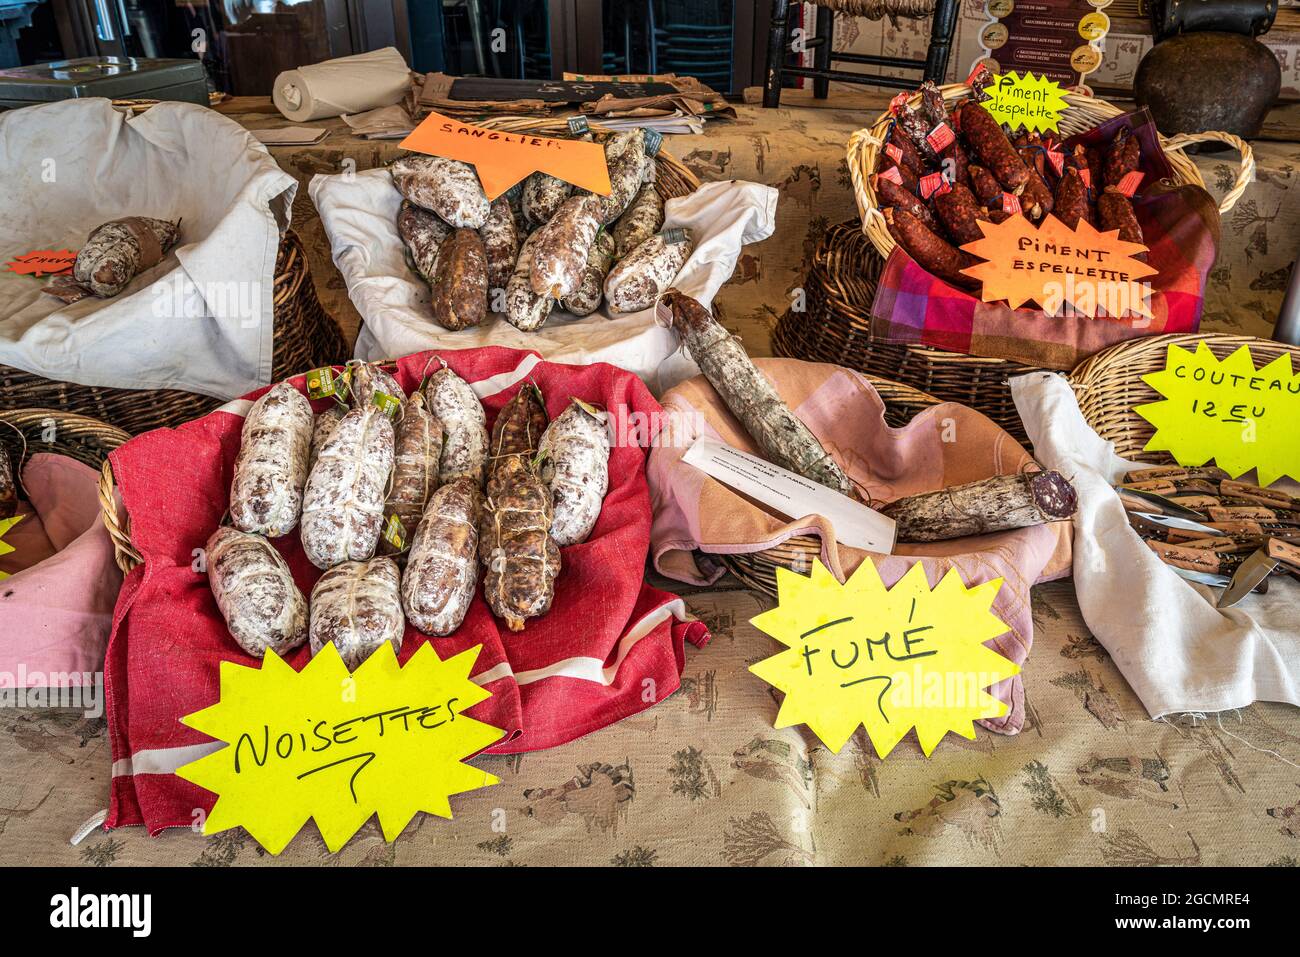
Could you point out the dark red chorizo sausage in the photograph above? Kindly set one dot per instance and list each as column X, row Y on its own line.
column 983, row 184
column 932, row 252
column 907, row 153
column 991, row 147
column 1121, row 159
column 1071, row 198
column 959, row 209
column 1116, row 212
column 1036, row 199
column 891, row 194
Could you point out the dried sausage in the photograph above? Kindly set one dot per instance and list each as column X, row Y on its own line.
column 444, row 186
column 641, row 221
column 343, row 507
column 423, row 234
column 959, row 210
column 356, row 607
column 521, row 557
column 626, row 159
column 586, row 299
column 114, row 254
column 460, row 288
column 525, row 310
column 464, row 424
column 501, row 242
column 271, row 469
column 560, row 254
column 636, row 282
column 574, row 455
column 1115, row 211
column 418, row 452
column 932, row 252
column 442, row 568
column 991, row 147
column 543, row 196
column 255, row 592
column 518, row 429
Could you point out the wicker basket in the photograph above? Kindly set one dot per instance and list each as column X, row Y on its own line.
column 1082, row 113
column 305, row 337
column 758, row 569
column 835, row 326
column 1109, row 384
column 50, row 430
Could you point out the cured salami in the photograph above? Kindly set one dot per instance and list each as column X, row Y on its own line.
column 114, row 254
column 443, row 186
column 271, row 468
column 321, row 431
column 459, row 291
column 525, row 310
column 356, row 607
column 368, row 378
column 442, row 568
column 560, row 253
column 415, row 469
column 543, row 195
column 501, row 243
column 343, row 507
column 636, row 282
column 423, row 234
column 642, row 219
column 574, row 455
column 464, row 424
column 587, row 298
column 518, row 429
column 521, row 557
column 255, row 592
column 626, row 159
column 748, row 393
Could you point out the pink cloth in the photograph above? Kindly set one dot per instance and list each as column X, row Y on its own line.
column 948, row 444
column 582, row 666
column 57, row 605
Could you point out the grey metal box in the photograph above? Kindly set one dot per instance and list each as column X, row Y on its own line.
column 117, row 78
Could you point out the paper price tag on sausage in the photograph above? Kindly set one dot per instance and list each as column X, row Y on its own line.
column 1080, row 271
column 1024, row 100
column 339, row 748
column 792, row 495
column 1228, row 411
column 888, row 659
column 503, row 159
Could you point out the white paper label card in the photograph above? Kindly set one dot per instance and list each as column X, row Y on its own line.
column 792, row 495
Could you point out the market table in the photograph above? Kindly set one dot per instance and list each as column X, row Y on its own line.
column 703, row 778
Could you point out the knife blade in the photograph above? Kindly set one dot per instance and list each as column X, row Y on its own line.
column 1275, row 553
column 1174, row 521
column 1203, row 578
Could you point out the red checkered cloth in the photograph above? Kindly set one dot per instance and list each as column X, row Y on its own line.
column 586, row 664
column 1181, row 229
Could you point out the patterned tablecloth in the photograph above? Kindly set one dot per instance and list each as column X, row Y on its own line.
column 703, row 777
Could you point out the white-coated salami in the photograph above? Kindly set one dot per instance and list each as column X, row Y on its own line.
column 638, row 279
column 525, row 310
column 326, row 423
column 542, row 196
column 560, row 253
column 586, row 299
column 357, row 606
column 447, row 187
column 464, row 425
column 642, row 219
column 574, row 453
column 415, row 469
column 501, row 242
column 255, row 592
column 368, row 378
column 271, row 469
column 343, row 507
column 423, row 234
column 442, row 569
column 626, row 160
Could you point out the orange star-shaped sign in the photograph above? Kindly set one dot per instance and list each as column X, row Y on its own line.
column 503, row 158
column 44, row 262
column 1080, row 271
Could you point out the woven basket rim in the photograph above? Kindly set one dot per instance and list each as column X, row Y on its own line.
column 864, row 148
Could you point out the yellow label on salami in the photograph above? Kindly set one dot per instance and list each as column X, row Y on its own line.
column 889, row 659
column 386, row 403
column 1033, row 102
column 338, row 748
column 1228, row 411
column 321, row 382
column 394, row 531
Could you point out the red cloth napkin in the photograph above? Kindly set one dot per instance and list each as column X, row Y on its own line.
column 581, row 667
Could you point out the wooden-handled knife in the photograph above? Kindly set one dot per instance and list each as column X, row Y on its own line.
column 1274, row 555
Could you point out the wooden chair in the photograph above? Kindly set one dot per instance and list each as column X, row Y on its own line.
column 933, row 67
